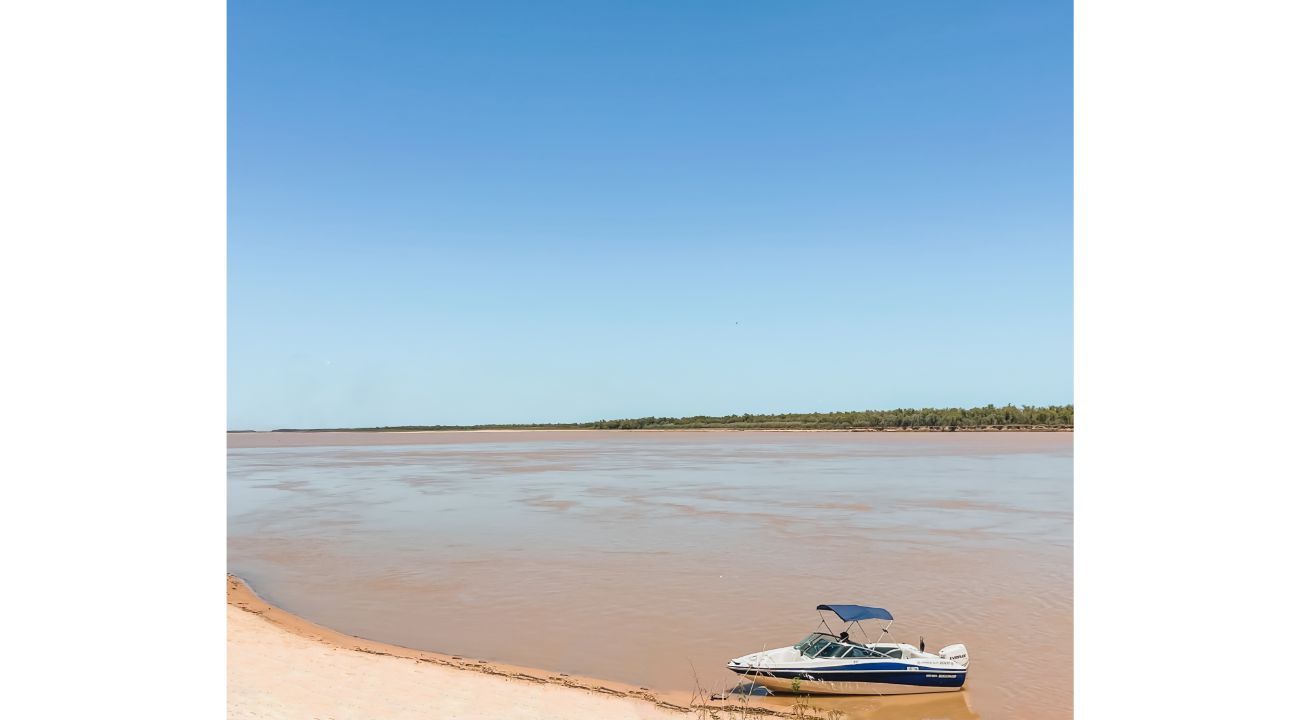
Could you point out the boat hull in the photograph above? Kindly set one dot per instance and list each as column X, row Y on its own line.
column 911, row 683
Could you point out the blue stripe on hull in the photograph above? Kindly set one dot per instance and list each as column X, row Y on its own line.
column 821, row 687
column 918, row 678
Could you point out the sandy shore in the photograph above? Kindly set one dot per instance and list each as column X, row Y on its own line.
column 281, row 666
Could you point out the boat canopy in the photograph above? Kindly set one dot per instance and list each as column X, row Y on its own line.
column 853, row 613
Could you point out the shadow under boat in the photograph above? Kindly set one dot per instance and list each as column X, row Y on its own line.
column 926, row 706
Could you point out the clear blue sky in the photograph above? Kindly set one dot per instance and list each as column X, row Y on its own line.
column 487, row 211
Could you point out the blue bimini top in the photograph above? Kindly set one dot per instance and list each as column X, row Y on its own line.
column 853, row 613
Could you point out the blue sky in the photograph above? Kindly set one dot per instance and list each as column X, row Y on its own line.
column 548, row 212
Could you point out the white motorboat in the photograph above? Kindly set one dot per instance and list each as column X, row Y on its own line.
column 826, row 663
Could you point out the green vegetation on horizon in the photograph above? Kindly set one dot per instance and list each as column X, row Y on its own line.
column 989, row 416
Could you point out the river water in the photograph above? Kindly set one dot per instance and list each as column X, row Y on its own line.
column 652, row 558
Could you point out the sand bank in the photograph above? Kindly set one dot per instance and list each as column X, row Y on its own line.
column 279, row 665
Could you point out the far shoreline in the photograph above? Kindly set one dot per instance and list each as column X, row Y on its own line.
column 1008, row 438
column 988, row 418
column 380, row 431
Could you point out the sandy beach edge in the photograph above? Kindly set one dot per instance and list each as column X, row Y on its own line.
column 240, row 596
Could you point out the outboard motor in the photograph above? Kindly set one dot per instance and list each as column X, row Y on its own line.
column 956, row 653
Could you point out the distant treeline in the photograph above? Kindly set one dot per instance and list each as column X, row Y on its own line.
column 991, row 417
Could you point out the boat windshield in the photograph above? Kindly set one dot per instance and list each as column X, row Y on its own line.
column 813, row 644
column 821, row 645
column 834, row 650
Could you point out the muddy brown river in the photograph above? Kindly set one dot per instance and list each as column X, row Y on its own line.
column 652, row 558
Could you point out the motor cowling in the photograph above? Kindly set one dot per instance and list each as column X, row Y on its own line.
column 956, row 653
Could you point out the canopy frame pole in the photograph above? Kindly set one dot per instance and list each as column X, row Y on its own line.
column 829, row 631
column 865, row 637
column 884, row 631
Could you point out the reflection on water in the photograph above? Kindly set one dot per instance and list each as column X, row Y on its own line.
column 653, row 558
column 933, row 706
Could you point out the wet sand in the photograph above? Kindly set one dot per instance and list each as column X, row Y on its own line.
column 651, row 558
